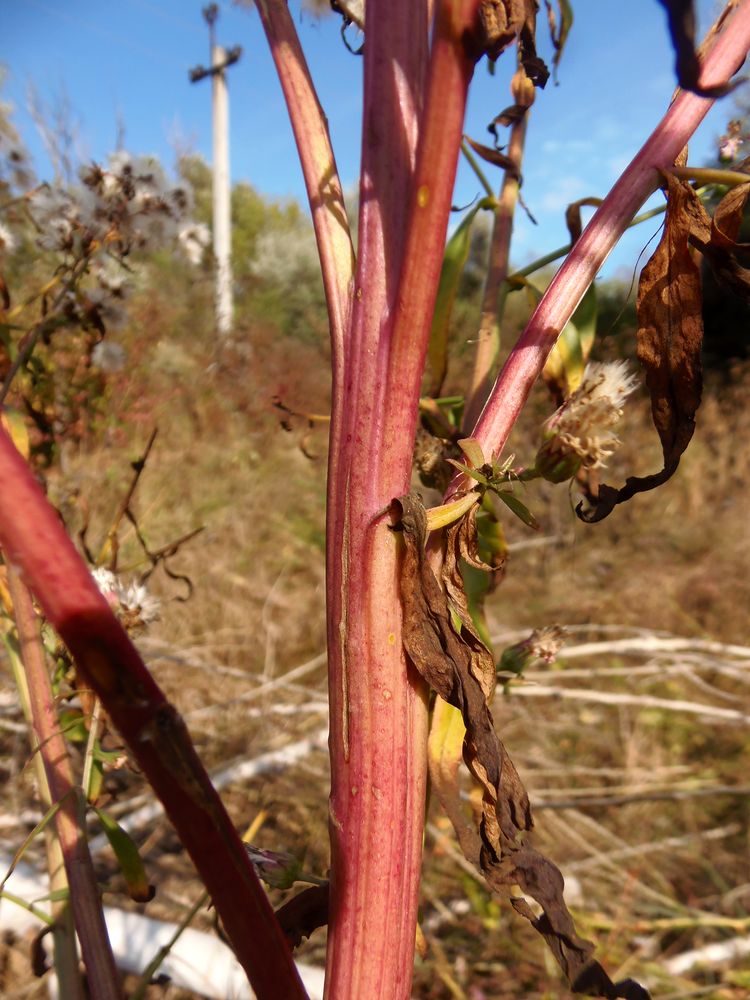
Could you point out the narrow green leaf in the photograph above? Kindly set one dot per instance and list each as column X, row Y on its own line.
column 472, row 473
column 492, row 549
column 39, row 914
column 456, row 254
column 519, row 509
column 58, row 895
column 96, row 780
column 128, row 858
column 150, row 971
column 49, row 815
column 73, row 725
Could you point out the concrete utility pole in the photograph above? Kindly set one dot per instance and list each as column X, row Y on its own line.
column 221, row 58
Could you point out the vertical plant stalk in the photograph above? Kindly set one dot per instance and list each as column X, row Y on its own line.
column 378, row 727
column 488, row 338
column 69, row 819
column 378, row 705
column 639, row 180
column 318, row 163
column 329, row 217
column 450, row 73
column 34, row 540
column 65, row 950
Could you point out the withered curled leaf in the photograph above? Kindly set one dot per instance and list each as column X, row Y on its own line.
column 500, row 23
column 443, row 644
column 495, row 157
column 573, row 216
column 670, row 334
column 304, row 913
column 559, row 32
column 727, row 220
column 718, row 240
column 507, row 117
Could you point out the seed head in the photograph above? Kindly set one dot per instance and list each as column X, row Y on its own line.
column 580, row 433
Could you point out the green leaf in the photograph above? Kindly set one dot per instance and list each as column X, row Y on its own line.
column 128, row 858
column 491, row 549
column 58, row 895
column 45, row 918
column 454, row 260
column 472, row 449
column 48, row 816
column 472, row 473
column 518, row 507
column 96, row 780
column 73, row 726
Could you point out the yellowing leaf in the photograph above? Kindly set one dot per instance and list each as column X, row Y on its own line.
column 14, row 423
column 128, row 858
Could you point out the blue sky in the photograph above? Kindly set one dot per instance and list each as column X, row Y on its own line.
column 128, row 61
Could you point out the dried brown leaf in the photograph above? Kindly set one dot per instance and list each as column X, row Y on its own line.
column 461, row 543
column 670, row 334
column 717, row 240
column 443, row 645
column 559, row 34
column 671, row 329
column 501, row 22
column 508, row 116
column 304, row 913
column 728, row 217
column 495, row 157
column 573, row 216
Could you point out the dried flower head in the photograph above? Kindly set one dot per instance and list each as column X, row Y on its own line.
column 541, row 647
column 580, row 432
column 194, row 238
column 731, row 143
column 132, row 603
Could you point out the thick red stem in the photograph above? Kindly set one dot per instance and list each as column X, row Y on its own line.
column 378, row 707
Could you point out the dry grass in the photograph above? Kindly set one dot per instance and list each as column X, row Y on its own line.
column 654, row 877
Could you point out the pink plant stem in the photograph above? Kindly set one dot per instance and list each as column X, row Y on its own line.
column 85, row 899
column 318, row 169
column 637, row 183
column 378, row 729
column 378, row 705
column 33, row 539
column 451, row 71
column 327, row 207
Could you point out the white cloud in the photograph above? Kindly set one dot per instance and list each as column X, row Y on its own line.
column 569, row 147
column 561, row 192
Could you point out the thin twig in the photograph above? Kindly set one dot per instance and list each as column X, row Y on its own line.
column 638, row 700
column 488, row 337
column 85, row 899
